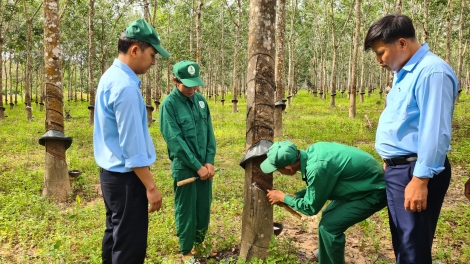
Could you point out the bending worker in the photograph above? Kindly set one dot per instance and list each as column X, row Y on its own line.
column 348, row 176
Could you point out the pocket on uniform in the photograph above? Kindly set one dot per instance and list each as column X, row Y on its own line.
column 185, row 122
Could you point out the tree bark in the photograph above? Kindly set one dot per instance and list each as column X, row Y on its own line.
column 352, row 97
column 448, row 32
column 199, row 32
column 56, row 179
column 280, row 68
column 426, row 21
column 91, row 55
column 222, row 57
column 257, row 221
column 235, row 61
column 461, row 50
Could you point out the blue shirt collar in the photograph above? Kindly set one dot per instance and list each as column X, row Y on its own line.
column 415, row 58
column 118, row 63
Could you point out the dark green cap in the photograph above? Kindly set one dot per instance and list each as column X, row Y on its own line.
column 143, row 31
column 188, row 73
column 280, row 155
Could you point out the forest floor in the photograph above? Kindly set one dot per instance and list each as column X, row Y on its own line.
column 35, row 229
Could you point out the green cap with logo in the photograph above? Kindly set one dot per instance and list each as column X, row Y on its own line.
column 188, row 73
column 280, row 155
column 143, row 31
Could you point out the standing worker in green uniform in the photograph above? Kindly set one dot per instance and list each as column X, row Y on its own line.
column 348, row 176
column 186, row 126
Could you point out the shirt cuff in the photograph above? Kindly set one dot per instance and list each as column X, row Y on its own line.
column 422, row 171
column 210, row 159
column 137, row 161
column 289, row 200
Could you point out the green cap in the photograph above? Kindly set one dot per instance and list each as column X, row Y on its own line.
column 280, row 155
column 143, row 31
column 188, row 73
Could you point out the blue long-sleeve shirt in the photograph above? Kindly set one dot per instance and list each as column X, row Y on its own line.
column 121, row 139
column 418, row 116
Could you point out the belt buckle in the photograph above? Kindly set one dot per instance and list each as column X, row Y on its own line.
column 388, row 162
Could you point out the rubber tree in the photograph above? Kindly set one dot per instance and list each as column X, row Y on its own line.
column 353, row 84
column 91, row 57
column 29, row 20
column 335, row 42
column 8, row 10
column 280, row 68
column 257, row 221
column 56, row 179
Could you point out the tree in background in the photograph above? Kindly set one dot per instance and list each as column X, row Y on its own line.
column 280, row 68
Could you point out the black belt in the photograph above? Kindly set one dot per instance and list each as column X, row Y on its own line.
column 401, row 160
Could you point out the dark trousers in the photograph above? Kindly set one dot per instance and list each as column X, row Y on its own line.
column 125, row 236
column 413, row 233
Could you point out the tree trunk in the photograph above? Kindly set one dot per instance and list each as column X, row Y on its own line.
column 257, row 221
column 448, row 32
column 29, row 113
column 222, row 57
column 56, row 179
column 352, row 98
column 363, row 83
column 148, row 89
column 461, row 50
column 199, row 32
column 280, row 68
column 398, row 6
column 10, row 66
column 5, row 68
column 235, row 60
column 426, row 21
column 91, row 55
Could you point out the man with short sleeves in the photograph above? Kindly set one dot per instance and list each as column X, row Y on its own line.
column 123, row 147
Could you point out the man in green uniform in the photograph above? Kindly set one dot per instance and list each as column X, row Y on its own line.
column 348, row 176
column 186, row 126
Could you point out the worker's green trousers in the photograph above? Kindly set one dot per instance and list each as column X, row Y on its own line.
column 339, row 216
column 192, row 209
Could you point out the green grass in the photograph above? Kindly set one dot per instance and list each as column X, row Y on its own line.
column 34, row 229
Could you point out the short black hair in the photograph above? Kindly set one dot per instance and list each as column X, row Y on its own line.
column 389, row 29
column 125, row 43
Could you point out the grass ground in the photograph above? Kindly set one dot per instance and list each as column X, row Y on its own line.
column 34, row 229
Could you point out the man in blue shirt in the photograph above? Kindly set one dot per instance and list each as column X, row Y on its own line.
column 413, row 134
column 123, row 147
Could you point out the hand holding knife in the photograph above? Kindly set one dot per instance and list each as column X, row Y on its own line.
column 281, row 204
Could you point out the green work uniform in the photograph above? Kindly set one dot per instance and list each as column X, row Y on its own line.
column 348, row 176
column 186, row 126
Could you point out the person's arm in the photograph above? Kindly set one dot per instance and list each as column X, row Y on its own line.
column 435, row 100
column 211, row 145
column 153, row 194
column 319, row 187
column 177, row 146
column 131, row 130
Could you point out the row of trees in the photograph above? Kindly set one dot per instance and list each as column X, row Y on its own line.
column 317, row 47
column 71, row 46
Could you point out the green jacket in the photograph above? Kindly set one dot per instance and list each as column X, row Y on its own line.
column 186, row 126
column 334, row 171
